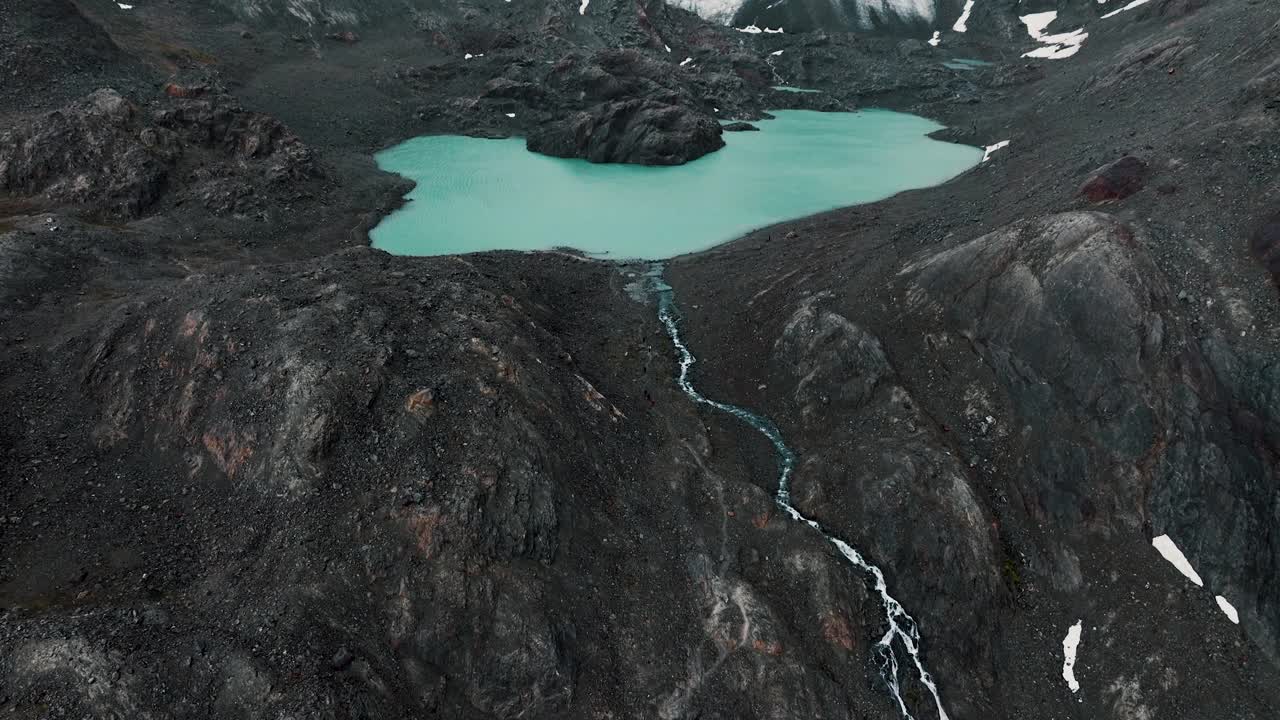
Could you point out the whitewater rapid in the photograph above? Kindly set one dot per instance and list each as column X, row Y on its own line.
column 901, row 626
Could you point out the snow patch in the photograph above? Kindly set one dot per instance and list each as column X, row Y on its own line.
column 962, row 24
column 776, row 53
column 1229, row 610
column 1054, row 47
column 1037, row 22
column 667, row 48
column 1130, row 6
column 686, row 61
column 1054, row 52
column 1069, row 645
column 1171, row 553
column 511, row 115
column 124, row 6
column 582, row 10
column 992, row 148
column 754, row 29
column 936, row 39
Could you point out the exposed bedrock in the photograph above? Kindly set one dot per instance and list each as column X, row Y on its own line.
column 879, row 468
column 1032, row 416
column 617, row 106
column 646, row 132
column 1118, row 424
column 1068, row 315
column 118, row 158
column 395, row 486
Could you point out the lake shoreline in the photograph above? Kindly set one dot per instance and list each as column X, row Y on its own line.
column 801, row 163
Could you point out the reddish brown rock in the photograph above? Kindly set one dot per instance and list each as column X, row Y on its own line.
column 1116, row 181
column 184, row 91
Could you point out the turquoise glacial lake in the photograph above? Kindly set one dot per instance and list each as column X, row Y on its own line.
column 474, row 194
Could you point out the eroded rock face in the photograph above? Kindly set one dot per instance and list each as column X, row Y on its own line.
column 92, row 152
column 114, row 156
column 881, row 460
column 646, row 132
column 1027, row 298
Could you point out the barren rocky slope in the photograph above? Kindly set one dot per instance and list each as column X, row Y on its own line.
column 1084, row 339
column 251, row 468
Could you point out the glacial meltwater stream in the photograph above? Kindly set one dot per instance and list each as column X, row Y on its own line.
column 901, row 632
column 475, row 194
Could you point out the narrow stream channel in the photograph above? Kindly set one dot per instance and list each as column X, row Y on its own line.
column 902, row 633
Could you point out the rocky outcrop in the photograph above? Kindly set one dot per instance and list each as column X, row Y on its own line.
column 646, row 132
column 1008, row 425
column 91, row 153
column 113, row 156
column 739, row 127
column 397, row 486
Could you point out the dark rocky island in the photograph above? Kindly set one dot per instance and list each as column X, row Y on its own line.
column 251, row 467
column 646, row 132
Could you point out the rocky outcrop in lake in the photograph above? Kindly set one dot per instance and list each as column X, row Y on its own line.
column 646, row 132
